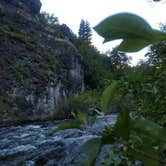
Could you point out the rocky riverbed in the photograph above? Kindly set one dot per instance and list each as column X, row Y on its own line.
column 34, row 145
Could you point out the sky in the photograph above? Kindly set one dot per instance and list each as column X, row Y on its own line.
column 70, row 12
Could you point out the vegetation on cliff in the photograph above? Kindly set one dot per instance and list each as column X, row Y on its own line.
column 39, row 66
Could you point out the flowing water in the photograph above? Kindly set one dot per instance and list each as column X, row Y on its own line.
column 37, row 145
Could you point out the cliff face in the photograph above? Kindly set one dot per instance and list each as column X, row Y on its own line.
column 38, row 67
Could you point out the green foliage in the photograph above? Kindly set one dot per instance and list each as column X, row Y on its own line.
column 116, row 98
column 123, row 125
column 98, row 70
column 156, row 55
column 51, row 23
column 81, row 121
column 7, row 99
column 119, row 63
column 84, row 102
column 48, row 19
column 119, row 59
column 82, row 118
column 142, row 140
column 68, row 125
column 19, row 70
column 85, row 31
column 136, row 35
column 92, row 149
column 151, row 139
column 108, row 95
column 150, row 128
column 144, row 84
column 21, row 36
column 118, row 156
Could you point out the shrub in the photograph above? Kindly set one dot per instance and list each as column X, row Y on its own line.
column 84, row 102
column 48, row 19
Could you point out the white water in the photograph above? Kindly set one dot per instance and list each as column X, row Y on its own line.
column 38, row 145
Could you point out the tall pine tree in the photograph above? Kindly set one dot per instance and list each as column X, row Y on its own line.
column 85, row 31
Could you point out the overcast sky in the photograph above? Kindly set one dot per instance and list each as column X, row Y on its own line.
column 71, row 12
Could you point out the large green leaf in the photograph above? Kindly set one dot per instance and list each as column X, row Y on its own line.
column 150, row 129
column 108, row 95
column 147, row 161
column 131, row 45
column 144, row 148
column 122, row 126
column 134, row 30
column 124, row 25
column 92, row 149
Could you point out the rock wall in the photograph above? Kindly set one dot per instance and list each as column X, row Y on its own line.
column 39, row 68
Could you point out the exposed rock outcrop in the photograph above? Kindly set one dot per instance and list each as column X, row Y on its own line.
column 17, row 8
column 38, row 68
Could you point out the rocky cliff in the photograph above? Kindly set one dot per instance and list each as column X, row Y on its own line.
column 39, row 68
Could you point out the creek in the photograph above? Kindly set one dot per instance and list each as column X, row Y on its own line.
column 33, row 145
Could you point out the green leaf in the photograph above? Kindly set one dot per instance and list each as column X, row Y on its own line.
column 92, row 149
column 82, row 118
column 134, row 30
column 150, row 129
column 132, row 45
column 122, row 126
column 108, row 95
column 145, row 149
column 141, row 157
column 68, row 125
column 124, row 25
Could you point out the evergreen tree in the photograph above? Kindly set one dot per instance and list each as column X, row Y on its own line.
column 81, row 31
column 85, row 31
